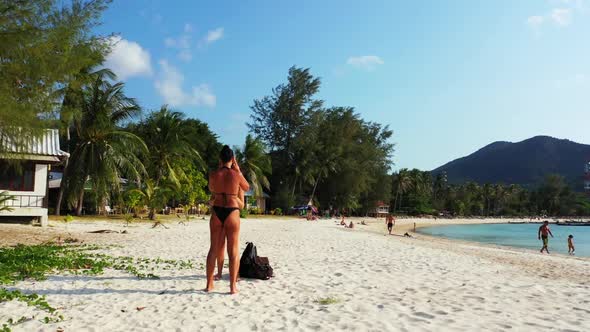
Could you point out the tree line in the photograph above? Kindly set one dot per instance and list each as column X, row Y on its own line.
column 327, row 156
column 52, row 75
column 416, row 192
column 298, row 150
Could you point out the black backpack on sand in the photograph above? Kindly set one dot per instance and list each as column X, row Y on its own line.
column 252, row 266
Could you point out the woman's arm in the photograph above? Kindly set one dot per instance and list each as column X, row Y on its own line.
column 241, row 199
column 243, row 183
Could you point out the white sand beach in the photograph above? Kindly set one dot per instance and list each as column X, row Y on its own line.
column 379, row 282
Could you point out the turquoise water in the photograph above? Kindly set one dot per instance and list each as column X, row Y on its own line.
column 516, row 235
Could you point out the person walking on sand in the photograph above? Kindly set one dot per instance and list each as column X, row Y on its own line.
column 543, row 234
column 570, row 245
column 390, row 221
column 227, row 185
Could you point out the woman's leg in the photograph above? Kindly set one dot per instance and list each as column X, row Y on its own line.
column 220, row 256
column 216, row 230
column 232, row 230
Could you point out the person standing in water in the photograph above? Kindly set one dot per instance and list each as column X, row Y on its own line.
column 225, row 185
column 543, row 234
column 570, row 245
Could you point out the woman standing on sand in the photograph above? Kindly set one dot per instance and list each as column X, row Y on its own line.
column 227, row 186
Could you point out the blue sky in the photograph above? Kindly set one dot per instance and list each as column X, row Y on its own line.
column 447, row 76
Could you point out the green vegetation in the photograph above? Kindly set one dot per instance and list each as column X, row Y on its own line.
column 36, row 262
column 45, row 43
column 4, row 199
column 101, row 154
column 255, row 164
column 416, row 192
column 128, row 219
column 244, row 213
column 299, row 150
column 327, row 155
column 33, row 300
column 327, row 301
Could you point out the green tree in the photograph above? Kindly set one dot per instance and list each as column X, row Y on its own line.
column 327, row 155
column 153, row 196
column 70, row 112
column 402, row 182
column 43, row 44
column 132, row 200
column 103, row 152
column 279, row 120
column 202, row 139
column 192, row 187
column 255, row 164
column 165, row 132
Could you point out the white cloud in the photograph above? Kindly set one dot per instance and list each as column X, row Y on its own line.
column 170, row 42
column 214, row 35
column 368, row 62
column 185, row 55
column 169, row 86
column 128, row 59
column 561, row 16
column 182, row 43
column 535, row 21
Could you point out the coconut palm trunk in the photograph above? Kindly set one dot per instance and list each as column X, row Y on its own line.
column 62, row 188
column 80, row 202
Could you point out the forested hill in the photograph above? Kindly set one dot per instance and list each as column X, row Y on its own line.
column 525, row 163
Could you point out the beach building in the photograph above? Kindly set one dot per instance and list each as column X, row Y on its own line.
column 258, row 202
column 380, row 210
column 24, row 174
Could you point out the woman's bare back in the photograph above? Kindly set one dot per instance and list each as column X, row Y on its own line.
column 225, row 185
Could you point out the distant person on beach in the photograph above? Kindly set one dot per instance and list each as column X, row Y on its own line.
column 543, row 234
column 390, row 221
column 351, row 225
column 342, row 222
column 570, row 245
column 227, row 186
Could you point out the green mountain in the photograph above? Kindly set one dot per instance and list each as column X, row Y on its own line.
column 525, row 163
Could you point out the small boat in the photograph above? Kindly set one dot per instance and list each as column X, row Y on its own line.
column 573, row 223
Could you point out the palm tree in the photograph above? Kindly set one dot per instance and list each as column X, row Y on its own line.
column 499, row 197
column 402, row 183
column 255, row 164
column 71, row 111
column 164, row 132
column 153, row 196
column 103, row 153
column 487, row 195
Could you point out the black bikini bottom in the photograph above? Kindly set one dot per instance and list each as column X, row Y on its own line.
column 223, row 212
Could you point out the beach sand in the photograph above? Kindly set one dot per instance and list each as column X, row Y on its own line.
column 379, row 283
